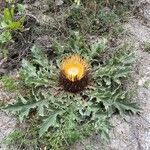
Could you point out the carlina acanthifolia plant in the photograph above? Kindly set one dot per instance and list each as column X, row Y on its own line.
column 74, row 94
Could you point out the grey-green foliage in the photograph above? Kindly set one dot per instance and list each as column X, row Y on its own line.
column 23, row 106
column 37, row 77
column 64, row 114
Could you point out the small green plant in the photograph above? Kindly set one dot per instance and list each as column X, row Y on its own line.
column 9, row 23
column 63, row 117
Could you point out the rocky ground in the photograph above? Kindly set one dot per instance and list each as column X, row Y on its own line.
column 133, row 133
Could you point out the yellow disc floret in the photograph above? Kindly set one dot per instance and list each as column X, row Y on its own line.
column 74, row 67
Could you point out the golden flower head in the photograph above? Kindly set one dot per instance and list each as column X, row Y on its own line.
column 74, row 67
column 73, row 73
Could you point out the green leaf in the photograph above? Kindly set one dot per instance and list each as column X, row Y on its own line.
column 51, row 121
column 97, row 48
column 103, row 127
column 24, row 106
column 5, row 37
column 3, row 25
column 59, row 49
column 32, row 77
column 123, row 106
column 9, row 22
column 39, row 56
column 21, row 8
column 15, row 25
column 7, row 15
column 28, row 69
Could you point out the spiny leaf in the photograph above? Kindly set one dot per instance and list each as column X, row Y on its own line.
column 123, row 106
column 28, row 68
column 51, row 121
column 24, row 106
column 39, row 56
column 98, row 48
column 103, row 127
column 33, row 77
